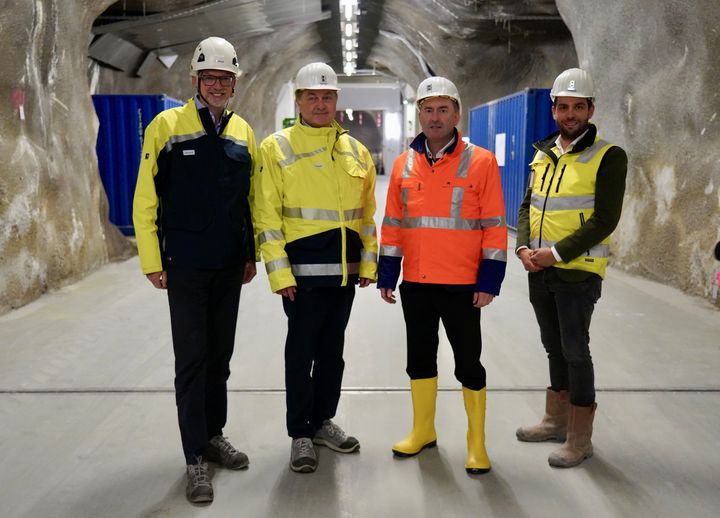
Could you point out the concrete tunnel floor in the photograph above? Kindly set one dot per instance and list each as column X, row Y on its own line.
column 88, row 425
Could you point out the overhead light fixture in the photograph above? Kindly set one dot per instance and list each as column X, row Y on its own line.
column 349, row 27
column 167, row 58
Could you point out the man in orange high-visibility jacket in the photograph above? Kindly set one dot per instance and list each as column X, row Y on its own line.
column 445, row 222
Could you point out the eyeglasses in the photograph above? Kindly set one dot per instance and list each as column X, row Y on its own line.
column 211, row 80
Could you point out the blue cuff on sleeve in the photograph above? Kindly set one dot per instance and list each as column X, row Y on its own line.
column 388, row 271
column 490, row 276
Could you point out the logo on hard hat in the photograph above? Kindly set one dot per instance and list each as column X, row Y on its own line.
column 571, row 86
column 323, row 79
column 429, row 87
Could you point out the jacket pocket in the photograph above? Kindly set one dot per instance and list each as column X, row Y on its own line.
column 236, row 169
column 237, row 152
column 463, row 197
column 412, row 193
column 352, row 168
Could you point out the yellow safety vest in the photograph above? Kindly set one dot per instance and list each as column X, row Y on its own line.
column 314, row 206
column 563, row 199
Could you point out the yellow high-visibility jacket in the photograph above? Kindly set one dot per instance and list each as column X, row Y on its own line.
column 192, row 199
column 314, row 201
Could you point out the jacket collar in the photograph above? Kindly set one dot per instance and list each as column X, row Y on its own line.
column 418, row 143
column 545, row 145
column 211, row 126
column 325, row 130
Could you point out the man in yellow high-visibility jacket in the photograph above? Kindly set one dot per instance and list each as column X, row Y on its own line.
column 314, row 207
column 572, row 205
column 195, row 239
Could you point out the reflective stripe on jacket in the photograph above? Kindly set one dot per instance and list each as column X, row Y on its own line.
column 192, row 198
column 445, row 220
column 563, row 199
column 314, row 207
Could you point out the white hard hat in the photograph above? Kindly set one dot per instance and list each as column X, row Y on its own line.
column 316, row 76
column 437, row 86
column 573, row 82
column 214, row 53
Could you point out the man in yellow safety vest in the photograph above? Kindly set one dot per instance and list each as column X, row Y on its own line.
column 572, row 205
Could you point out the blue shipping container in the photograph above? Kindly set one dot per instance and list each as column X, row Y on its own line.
column 123, row 119
column 508, row 127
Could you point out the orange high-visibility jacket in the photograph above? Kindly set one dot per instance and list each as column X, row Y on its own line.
column 445, row 221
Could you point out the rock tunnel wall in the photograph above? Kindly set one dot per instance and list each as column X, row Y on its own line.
column 53, row 210
column 657, row 75
column 657, row 98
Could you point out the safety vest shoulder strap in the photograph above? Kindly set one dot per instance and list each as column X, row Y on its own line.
column 591, row 152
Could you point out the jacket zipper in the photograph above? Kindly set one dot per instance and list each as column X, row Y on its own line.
column 542, row 183
column 547, row 195
column 557, row 187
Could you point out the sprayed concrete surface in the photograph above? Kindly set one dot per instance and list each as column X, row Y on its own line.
column 656, row 80
column 54, row 225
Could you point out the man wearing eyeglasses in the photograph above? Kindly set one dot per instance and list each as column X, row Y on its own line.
column 195, row 239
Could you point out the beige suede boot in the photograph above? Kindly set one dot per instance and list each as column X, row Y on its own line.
column 554, row 423
column 578, row 445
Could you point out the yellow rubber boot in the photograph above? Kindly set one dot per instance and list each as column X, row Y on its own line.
column 477, row 458
column 424, row 394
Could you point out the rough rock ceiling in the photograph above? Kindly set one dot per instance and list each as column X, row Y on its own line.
column 126, row 32
column 403, row 26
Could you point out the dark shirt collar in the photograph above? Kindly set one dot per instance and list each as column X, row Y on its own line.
column 419, row 144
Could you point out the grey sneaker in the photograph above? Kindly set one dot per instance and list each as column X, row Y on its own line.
column 332, row 436
column 221, row 451
column 199, row 489
column 302, row 456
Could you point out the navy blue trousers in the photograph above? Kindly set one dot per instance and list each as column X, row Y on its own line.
column 203, row 316
column 314, row 362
